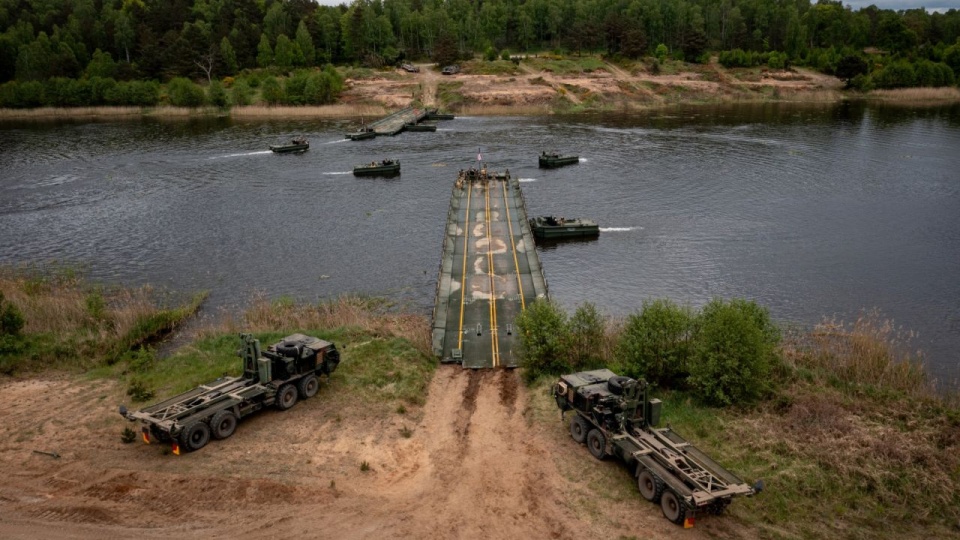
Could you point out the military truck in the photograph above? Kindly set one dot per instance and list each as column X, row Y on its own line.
column 278, row 376
column 614, row 417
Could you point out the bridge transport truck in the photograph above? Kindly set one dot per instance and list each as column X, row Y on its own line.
column 285, row 372
column 614, row 416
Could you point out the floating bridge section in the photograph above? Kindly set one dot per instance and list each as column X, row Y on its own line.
column 489, row 272
column 393, row 123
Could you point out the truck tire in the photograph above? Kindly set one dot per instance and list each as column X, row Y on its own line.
column 597, row 443
column 308, row 386
column 651, row 487
column 579, row 428
column 673, row 508
column 223, row 424
column 195, row 436
column 286, row 397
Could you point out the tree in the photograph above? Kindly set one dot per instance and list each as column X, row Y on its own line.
column 264, row 52
column 445, row 50
column 229, row 56
column 271, row 91
column 101, row 65
column 305, row 42
column 283, row 55
column 850, row 66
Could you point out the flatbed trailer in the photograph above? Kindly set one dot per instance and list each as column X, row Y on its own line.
column 614, row 417
column 279, row 376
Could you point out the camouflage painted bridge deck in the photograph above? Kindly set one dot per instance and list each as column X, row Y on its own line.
column 489, row 272
column 395, row 123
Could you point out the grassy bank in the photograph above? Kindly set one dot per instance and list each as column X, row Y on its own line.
column 385, row 355
column 856, row 441
column 71, row 324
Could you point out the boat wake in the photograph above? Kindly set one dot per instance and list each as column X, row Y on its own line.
column 583, row 160
column 338, row 141
column 618, row 229
column 244, row 154
column 338, row 172
column 528, row 180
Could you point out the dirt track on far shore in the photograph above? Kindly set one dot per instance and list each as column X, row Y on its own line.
column 474, row 462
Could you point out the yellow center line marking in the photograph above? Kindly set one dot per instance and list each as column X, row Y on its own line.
column 463, row 277
column 513, row 244
column 491, row 273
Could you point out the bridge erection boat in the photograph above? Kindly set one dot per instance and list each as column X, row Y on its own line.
column 559, row 227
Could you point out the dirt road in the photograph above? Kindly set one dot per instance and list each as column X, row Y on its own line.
column 477, row 461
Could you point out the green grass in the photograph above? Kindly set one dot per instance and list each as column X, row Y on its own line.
column 497, row 67
column 567, row 65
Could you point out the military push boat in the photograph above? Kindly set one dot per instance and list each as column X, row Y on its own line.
column 387, row 167
column 299, row 144
column 554, row 159
column 547, row 227
column 614, row 416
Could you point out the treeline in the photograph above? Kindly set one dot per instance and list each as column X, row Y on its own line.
column 300, row 87
column 159, row 40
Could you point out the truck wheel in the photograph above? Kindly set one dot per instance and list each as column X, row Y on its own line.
column 578, row 429
column 195, row 436
column 286, row 397
column 651, row 487
column 308, row 386
column 597, row 443
column 223, row 424
column 673, row 508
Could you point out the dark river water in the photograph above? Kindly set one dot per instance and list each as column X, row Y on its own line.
column 813, row 211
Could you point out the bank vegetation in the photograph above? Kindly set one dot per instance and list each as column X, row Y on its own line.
column 841, row 421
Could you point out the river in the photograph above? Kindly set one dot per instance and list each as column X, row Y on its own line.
column 811, row 210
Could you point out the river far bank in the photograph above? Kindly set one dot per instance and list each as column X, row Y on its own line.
column 533, row 87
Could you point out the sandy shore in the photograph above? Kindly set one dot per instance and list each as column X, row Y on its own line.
column 532, row 91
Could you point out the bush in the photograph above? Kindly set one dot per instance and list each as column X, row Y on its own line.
column 217, row 96
column 734, row 352
column 585, row 333
column 656, row 343
column 271, row 90
column 542, row 328
column 185, row 93
column 505, row 55
column 240, row 94
column 11, row 318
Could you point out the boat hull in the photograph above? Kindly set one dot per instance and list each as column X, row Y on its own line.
column 389, row 170
column 287, row 149
column 549, row 162
column 574, row 228
column 360, row 135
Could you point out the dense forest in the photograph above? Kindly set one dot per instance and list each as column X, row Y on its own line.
column 120, row 51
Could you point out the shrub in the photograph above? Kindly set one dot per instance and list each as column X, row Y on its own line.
column 185, row 93
column 217, row 96
column 11, row 319
column 240, row 94
column 585, row 332
column 656, row 343
column 505, row 54
column 734, row 352
column 271, row 90
column 542, row 328
column 138, row 391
